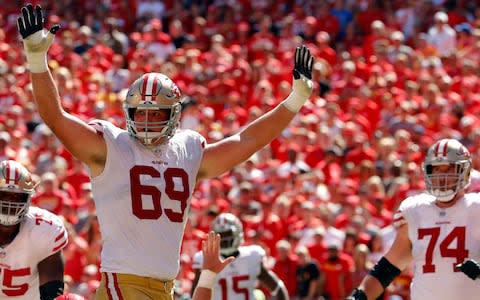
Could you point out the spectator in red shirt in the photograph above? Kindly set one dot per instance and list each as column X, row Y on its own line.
column 50, row 197
column 287, row 39
column 271, row 227
column 310, row 29
column 263, row 39
column 375, row 11
column 323, row 49
column 348, row 84
column 317, row 246
column 77, row 176
column 337, row 269
column 286, row 266
column 74, row 254
column 326, row 21
column 378, row 32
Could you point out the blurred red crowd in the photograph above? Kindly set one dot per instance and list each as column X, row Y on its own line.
column 390, row 78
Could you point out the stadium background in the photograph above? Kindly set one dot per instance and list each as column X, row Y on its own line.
column 388, row 83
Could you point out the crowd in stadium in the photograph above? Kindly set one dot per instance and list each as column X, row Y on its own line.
column 391, row 77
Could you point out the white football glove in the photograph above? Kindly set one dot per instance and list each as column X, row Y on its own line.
column 302, row 80
column 36, row 39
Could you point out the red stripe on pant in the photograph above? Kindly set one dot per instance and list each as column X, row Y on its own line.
column 117, row 288
column 109, row 294
column 115, row 293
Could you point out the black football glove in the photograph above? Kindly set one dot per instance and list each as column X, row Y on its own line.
column 470, row 267
column 32, row 21
column 303, row 63
column 36, row 39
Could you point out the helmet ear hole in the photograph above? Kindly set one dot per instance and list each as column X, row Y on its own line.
column 131, row 112
column 428, row 169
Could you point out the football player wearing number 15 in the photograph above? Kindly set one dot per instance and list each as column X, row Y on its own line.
column 238, row 280
column 143, row 177
column 439, row 230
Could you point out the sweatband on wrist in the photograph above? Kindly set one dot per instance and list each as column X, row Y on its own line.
column 207, row 279
column 294, row 102
column 37, row 62
column 384, row 272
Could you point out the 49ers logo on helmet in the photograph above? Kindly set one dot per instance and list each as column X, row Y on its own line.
column 174, row 92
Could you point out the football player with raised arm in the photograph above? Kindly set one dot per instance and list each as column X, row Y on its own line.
column 238, row 279
column 439, row 230
column 212, row 265
column 143, row 177
column 31, row 240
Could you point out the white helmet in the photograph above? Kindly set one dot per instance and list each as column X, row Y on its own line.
column 16, row 190
column 444, row 186
column 153, row 91
column 231, row 232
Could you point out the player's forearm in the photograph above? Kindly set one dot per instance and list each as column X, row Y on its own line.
column 280, row 292
column 202, row 293
column 46, row 96
column 312, row 289
column 263, row 130
column 283, row 294
column 371, row 286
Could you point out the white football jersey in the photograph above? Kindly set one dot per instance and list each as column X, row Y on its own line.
column 142, row 200
column 41, row 235
column 442, row 238
column 238, row 280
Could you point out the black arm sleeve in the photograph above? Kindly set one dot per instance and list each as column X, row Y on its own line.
column 385, row 272
column 51, row 290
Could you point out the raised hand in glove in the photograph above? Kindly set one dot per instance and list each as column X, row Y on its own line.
column 470, row 267
column 302, row 79
column 36, row 39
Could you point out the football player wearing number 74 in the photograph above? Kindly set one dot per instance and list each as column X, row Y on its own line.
column 143, row 177
column 438, row 230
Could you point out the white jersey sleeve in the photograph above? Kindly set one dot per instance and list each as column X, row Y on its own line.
column 49, row 232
